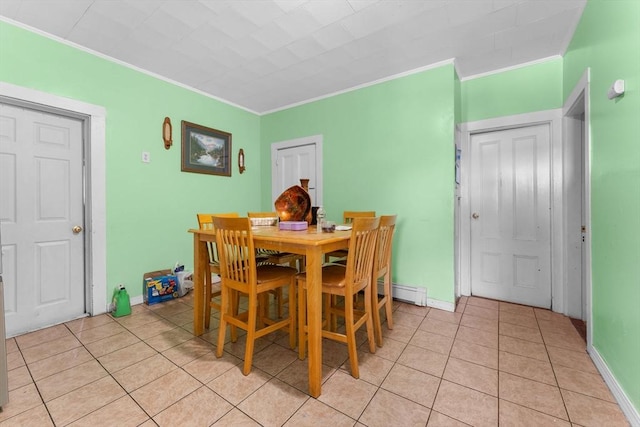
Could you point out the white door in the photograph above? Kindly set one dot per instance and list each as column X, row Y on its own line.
column 510, row 225
column 41, row 202
column 293, row 161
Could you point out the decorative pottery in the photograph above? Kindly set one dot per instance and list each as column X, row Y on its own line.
column 294, row 204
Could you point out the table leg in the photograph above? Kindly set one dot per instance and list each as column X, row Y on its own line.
column 314, row 318
column 199, row 253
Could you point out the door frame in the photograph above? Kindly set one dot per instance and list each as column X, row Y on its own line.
column 290, row 143
column 553, row 118
column 94, row 130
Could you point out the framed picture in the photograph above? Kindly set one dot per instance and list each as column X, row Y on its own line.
column 205, row 150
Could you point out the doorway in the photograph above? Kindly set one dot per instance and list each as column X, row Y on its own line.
column 94, row 220
column 294, row 159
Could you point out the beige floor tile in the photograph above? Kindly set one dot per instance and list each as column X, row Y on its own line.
column 19, row 377
column 208, row 367
column 123, row 412
column 188, row 351
column 583, row 382
column 407, row 319
column 314, row 413
column 273, row 403
column 520, row 332
column 201, row 408
column 444, row 316
column 334, row 353
column 143, row 372
column 479, row 409
column 532, row 394
column 235, row 387
column 591, row 412
column 412, row 384
column 37, row 416
column 557, row 326
column 85, row 400
column 527, row 367
column 71, row 379
column 569, row 342
column 423, row 360
column 185, row 317
column 543, row 314
column 400, row 333
column 521, row 310
column 485, row 356
column 139, row 319
column 165, row 391
column 436, row 419
column 412, row 309
column 516, row 319
column 477, row 336
column 431, row 341
column 21, row 400
column 151, row 329
column 386, row 409
column 472, row 376
column 112, row 343
column 439, row 327
column 523, row 348
column 50, row 348
column 88, row 336
column 88, row 322
column 236, row 418
column 168, row 311
column 11, row 345
column 484, row 313
column 390, row 350
column 482, row 323
column 274, row 359
column 59, row 362
column 342, row 385
column 579, row 360
column 126, row 356
column 38, row 338
column 484, row 303
column 372, row 368
column 297, row 374
column 15, row 360
column 168, row 339
column 515, row 415
column 238, row 348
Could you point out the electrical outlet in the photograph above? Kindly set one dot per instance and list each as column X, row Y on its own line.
column 146, row 157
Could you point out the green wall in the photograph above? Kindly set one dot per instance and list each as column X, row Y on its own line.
column 608, row 41
column 388, row 148
column 151, row 206
column 536, row 87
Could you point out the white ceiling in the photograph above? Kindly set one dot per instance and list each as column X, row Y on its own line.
column 264, row 55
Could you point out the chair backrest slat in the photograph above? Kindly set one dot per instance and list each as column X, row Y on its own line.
column 349, row 216
column 361, row 250
column 383, row 251
column 205, row 222
column 236, row 251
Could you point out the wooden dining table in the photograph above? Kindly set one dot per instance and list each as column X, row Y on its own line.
column 313, row 246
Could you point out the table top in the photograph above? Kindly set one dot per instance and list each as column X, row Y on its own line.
column 304, row 237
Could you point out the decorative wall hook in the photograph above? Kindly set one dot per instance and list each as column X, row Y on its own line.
column 241, row 167
column 166, row 133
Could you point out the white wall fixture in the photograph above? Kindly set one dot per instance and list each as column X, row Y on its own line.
column 616, row 89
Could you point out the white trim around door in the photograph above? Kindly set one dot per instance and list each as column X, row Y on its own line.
column 554, row 119
column 95, row 168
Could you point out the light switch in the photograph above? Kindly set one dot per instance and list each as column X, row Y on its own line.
column 146, row 157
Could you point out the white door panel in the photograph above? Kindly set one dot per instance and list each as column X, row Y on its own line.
column 294, row 163
column 41, row 200
column 510, row 225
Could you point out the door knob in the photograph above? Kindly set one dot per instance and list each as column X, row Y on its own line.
column 77, row 229
column 475, row 215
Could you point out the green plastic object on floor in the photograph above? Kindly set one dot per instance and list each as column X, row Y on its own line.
column 121, row 302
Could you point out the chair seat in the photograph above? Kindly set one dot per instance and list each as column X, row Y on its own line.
column 270, row 272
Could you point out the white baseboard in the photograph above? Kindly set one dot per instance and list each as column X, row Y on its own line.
column 418, row 296
column 442, row 305
column 632, row 414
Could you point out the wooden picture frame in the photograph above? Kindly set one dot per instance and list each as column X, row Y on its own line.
column 205, row 150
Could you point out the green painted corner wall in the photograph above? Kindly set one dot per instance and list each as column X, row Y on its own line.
column 607, row 40
column 388, row 148
column 535, row 87
column 151, row 206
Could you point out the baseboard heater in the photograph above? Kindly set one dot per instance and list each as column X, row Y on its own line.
column 410, row 294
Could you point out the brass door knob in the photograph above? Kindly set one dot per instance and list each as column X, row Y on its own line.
column 77, row 229
column 475, row 215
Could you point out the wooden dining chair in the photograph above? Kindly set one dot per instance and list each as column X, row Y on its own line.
column 347, row 218
column 382, row 268
column 346, row 281
column 212, row 290
column 240, row 273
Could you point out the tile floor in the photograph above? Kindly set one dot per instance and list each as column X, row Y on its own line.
column 487, row 364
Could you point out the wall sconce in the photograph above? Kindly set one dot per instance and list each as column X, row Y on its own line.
column 166, row 133
column 616, row 89
column 241, row 167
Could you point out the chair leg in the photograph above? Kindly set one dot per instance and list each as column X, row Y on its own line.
column 351, row 336
column 292, row 312
column 251, row 334
column 369, row 321
column 375, row 311
column 280, row 302
column 389, row 303
column 222, row 329
column 207, row 298
column 302, row 321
